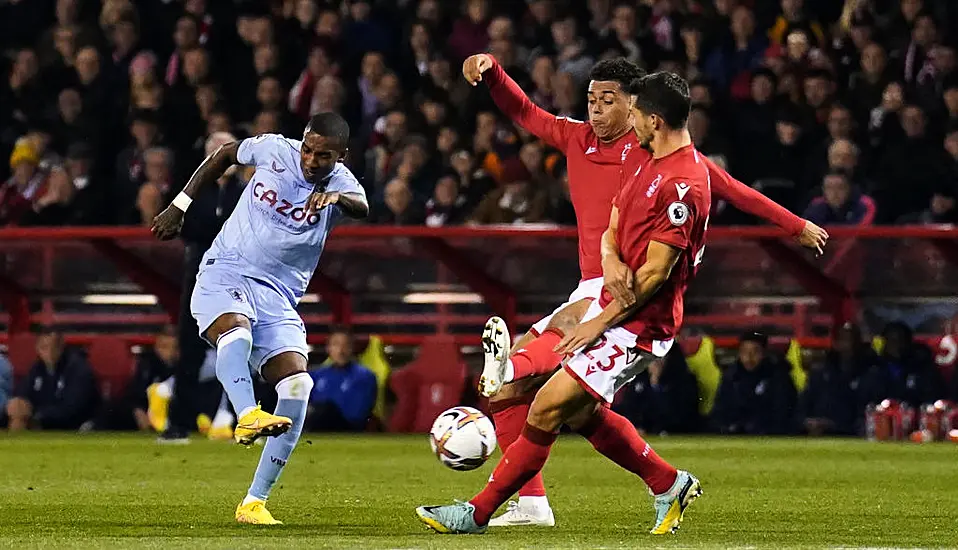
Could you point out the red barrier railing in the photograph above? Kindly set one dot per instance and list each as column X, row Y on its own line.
column 752, row 276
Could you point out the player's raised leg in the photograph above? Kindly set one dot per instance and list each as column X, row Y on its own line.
column 287, row 371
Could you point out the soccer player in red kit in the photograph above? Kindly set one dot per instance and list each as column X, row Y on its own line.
column 656, row 230
column 595, row 154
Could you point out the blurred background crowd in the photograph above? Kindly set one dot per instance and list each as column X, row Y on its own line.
column 844, row 111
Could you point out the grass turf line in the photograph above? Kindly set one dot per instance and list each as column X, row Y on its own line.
column 109, row 491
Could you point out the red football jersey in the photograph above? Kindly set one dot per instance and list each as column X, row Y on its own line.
column 666, row 200
column 597, row 170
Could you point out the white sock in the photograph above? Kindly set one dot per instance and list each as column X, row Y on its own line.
column 246, row 410
column 250, row 498
column 510, row 372
column 538, row 504
column 165, row 388
column 223, row 418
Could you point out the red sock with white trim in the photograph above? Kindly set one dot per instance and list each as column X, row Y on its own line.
column 509, row 417
column 519, row 464
column 616, row 438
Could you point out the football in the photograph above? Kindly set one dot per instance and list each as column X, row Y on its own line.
column 462, row 438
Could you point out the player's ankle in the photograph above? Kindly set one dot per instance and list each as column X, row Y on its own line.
column 250, row 499
column 539, row 505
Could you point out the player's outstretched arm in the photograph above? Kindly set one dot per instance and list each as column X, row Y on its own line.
column 752, row 202
column 514, row 103
column 660, row 259
column 167, row 224
column 353, row 205
column 617, row 277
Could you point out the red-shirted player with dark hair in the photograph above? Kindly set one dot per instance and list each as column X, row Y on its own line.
column 656, row 230
column 595, row 154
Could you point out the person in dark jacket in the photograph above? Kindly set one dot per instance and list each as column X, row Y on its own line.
column 663, row 399
column 756, row 396
column 344, row 391
column 838, row 390
column 59, row 392
column 913, row 377
column 840, row 203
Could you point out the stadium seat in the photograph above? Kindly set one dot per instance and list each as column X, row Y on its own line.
column 22, row 351
column 794, row 358
column 707, row 373
column 374, row 358
column 112, row 363
column 430, row 384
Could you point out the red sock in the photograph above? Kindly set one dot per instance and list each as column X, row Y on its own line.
column 537, row 357
column 615, row 437
column 520, row 463
column 509, row 416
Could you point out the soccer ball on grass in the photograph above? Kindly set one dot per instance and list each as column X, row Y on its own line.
column 462, row 438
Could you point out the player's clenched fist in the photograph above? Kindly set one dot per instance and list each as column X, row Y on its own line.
column 167, row 224
column 317, row 201
column 474, row 66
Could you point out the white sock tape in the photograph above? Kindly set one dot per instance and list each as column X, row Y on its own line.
column 297, row 386
column 182, row 201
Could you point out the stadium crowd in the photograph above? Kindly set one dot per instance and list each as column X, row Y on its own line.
column 844, row 111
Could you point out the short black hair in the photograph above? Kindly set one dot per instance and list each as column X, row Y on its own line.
column 617, row 69
column 756, row 337
column 329, row 125
column 664, row 94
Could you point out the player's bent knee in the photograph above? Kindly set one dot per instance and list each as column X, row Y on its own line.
column 283, row 366
column 225, row 323
column 581, row 418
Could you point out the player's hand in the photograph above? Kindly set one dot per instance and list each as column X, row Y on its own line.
column 474, row 66
column 167, row 224
column 619, row 280
column 582, row 335
column 317, row 201
column 813, row 237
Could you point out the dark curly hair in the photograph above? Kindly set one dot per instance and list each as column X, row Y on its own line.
column 617, row 69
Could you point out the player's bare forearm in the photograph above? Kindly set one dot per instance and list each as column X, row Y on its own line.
column 212, row 168
column 354, row 205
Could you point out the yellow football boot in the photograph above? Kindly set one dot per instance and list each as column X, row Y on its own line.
column 255, row 513
column 259, row 423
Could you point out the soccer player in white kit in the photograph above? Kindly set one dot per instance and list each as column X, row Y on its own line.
column 257, row 270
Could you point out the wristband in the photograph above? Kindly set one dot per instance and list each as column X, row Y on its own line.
column 182, row 201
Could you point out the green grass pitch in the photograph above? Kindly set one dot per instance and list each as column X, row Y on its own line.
column 124, row 491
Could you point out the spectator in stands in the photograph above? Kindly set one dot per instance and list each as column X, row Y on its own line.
column 130, row 167
column 154, row 193
column 867, row 86
column 6, row 386
column 913, row 377
column 732, row 63
column 20, row 195
column 840, row 388
column 398, row 206
column 913, row 158
column 516, row 201
column 942, row 209
column 447, row 205
column 840, row 203
column 793, row 17
column 664, row 399
column 756, row 395
column 344, row 391
column 59, row 392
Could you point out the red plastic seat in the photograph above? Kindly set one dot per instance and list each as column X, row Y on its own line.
column 430, row 384
column 113, row 363
column 22, row 352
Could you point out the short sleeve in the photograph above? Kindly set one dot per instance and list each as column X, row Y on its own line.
column 343, row 181
column 258, row 150
column 674, row 213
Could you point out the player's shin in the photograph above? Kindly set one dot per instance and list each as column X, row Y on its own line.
column 232, row 368
column 293, row 393
column 520, row 463
column 537, row 357
column 617, row 439
column 509, row 416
